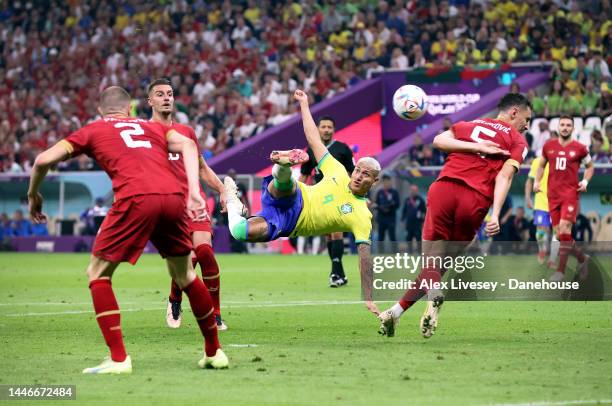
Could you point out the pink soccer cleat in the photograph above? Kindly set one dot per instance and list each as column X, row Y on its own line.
column 289, row 158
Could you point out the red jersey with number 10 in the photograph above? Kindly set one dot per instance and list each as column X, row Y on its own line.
column 476, row 171
column 133, row 152
column 563, row 166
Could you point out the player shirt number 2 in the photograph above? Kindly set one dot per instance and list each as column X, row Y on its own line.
column 132, row 130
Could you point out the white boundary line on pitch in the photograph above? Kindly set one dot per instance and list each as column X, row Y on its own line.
column 237, row 306
column 558, row 402
column 228, row 302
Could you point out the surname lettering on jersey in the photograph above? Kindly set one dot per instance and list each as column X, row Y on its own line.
column 496, row 126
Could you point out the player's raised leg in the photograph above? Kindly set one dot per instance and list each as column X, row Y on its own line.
column 99, row 273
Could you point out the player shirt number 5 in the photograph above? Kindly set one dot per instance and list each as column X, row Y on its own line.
column 564, row 163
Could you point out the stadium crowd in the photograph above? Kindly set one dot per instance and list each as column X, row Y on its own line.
column 234, row 64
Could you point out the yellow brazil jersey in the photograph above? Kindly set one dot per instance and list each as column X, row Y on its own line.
column 541, row 200
column 330, row 206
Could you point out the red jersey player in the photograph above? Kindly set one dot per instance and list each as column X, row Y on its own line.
column 149, row 204
column 161, row 100
column 483, row 157
column 565, row 156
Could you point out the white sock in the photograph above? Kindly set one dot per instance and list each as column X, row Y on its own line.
column 234, row 214
column 397, row 310
column 554, row 248
column 316, row 244
column 301, row 242
column 281, row 173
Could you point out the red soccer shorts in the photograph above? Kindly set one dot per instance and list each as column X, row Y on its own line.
column 563, row 210
column 132, row 221
column 203, row 225
column 455, row 211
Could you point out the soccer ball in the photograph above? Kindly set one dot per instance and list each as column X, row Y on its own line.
column 409, row 102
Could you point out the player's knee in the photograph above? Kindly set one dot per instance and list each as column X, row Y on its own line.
column 540, row 235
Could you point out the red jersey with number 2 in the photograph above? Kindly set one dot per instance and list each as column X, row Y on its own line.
column 133, row 152
column 564, row 164
column 476, row 171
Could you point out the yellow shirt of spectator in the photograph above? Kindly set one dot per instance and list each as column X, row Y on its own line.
column 122, row 21
column 330, row 206
column 541, row 199
column 558, row 54
column 253, row 15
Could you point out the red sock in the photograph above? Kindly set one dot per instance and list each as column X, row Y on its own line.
column 176, row 293
column 203, row 310
column 108, row 317
column 431, row 275
column 565, row 247
column 210, row 273
column 578, row 253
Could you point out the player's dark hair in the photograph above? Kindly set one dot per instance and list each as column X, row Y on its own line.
column 326, row 118
column 113, row 99
column 566, row 117
column 514, row 100
column 158, row 82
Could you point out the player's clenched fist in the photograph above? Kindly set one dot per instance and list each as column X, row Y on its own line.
column 300, row 96
column 492, row 227
column 196, row 207
column 35, row 202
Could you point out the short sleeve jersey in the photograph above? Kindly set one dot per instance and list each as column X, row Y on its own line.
column 133, row 152
column 339, row 150
column 330, row 206
column 477, row 171
column 564, row 163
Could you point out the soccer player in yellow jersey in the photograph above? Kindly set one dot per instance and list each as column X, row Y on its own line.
column 291, row 208
column 541, row 218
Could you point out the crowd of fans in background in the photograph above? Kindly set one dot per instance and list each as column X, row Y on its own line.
column 234, row 64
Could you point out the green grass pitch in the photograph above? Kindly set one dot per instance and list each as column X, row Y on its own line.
column 294, row 341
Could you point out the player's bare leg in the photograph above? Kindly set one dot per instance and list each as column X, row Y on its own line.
column 568, row 246
column 99, row 273
column 181, row 271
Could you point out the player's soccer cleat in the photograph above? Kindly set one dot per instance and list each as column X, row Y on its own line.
column 387, row 323
column 557, row 277
column 231, row 190
column 289, row 158
column 336, row 281
column 108, row 366
column 173, row 314
column 221, row 326
column 219, row 361
column 583, row 268
column 429, row 320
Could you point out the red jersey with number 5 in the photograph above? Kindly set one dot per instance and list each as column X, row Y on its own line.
column 176, row 160
column 476, row 171
column 563, row 166
column 133, row 152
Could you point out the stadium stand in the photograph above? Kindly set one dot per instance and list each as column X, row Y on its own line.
column 234, row 64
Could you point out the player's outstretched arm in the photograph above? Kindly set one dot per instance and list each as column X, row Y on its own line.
column 43, row 162
column 211, row 180
column 196, row 207
column 538, row 179
column 588, row 175
column 502, row 186
column 310, row 128
column 447, row 142
column 365, row 269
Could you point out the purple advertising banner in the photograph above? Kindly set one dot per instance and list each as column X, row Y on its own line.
column 443, row 98
column 74, row 243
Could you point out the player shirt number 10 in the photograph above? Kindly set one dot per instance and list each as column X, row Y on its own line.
column 560, row 163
